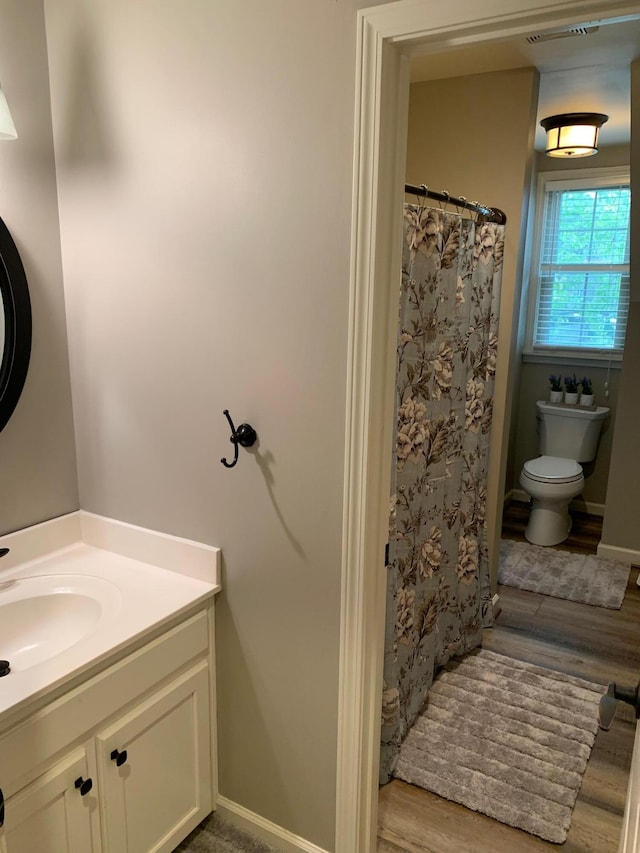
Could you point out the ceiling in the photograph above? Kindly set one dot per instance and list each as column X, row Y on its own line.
column 578, row 72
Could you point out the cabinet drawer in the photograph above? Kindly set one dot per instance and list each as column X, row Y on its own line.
column 55, row 727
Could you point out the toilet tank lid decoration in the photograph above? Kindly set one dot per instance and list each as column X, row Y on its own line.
column 571, row 384
column 555, row 382
column 586, row 386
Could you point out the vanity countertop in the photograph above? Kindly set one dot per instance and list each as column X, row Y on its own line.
column 139, row 598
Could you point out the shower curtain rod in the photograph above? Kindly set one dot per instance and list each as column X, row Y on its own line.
column 491, row 214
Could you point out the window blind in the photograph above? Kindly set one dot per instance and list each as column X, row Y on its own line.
column 583, row 296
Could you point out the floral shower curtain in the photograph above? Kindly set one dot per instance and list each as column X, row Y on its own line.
column 438, row 591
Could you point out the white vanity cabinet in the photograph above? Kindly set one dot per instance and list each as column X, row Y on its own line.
column 122, row 763
column 50, row 815
column 154, row 785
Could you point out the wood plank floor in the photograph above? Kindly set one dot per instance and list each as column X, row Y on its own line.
column 592, row 642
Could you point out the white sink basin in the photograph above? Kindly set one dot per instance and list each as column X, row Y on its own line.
column 44, row 615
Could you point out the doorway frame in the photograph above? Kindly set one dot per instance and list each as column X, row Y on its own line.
column 388, row 36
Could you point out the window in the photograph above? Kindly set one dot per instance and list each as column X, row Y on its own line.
column 580, row 277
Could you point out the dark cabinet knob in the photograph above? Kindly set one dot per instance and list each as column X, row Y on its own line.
column 119, row 757
column 83, row 785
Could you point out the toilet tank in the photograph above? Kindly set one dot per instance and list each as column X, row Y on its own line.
column 569, row 431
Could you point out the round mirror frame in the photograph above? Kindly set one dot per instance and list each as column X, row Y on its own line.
column 17, row 325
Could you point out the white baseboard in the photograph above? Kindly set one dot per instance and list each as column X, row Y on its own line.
column 518, row 495
column 264, row 829
column 608, row 552
column 580, row 506
column 587, row 506
column 623, row 555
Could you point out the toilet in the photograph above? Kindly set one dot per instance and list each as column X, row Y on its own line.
column 567, row 436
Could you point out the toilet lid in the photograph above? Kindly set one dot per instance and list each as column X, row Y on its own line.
column 553, row 469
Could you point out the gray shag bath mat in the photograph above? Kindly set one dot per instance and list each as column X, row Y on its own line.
column 216, row 836
column 576, row 577
column 505, row 738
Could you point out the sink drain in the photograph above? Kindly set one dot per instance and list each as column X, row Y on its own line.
column 5, row 667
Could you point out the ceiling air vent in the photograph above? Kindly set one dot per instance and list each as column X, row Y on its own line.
column 562, row 34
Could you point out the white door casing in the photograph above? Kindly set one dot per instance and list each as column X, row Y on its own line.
column 388, row 36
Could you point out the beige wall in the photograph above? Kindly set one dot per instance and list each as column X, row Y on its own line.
column 621, row 528
column 37, row 457
column 473, row 136
column 204, row 159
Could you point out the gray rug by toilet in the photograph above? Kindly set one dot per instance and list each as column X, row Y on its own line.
column 576, row 577
column 216, row 836
column 505, row 738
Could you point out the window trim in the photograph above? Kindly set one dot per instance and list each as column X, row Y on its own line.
column 563, row 179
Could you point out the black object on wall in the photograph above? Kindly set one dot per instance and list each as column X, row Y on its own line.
column 244, row 435
column 16, row 304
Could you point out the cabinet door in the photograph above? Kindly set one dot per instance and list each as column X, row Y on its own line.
column 153, row 796
column 51, row 815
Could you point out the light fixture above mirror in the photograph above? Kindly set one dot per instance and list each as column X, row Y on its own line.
column 573, row 134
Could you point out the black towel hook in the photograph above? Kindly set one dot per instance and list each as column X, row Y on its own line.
column 244, row 435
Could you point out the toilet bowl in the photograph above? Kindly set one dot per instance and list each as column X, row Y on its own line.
column 552, row 482
column 567, row 436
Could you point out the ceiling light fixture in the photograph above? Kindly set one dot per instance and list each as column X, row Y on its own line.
column 573, row 134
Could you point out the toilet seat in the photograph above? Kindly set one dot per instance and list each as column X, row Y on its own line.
column 553, row 469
